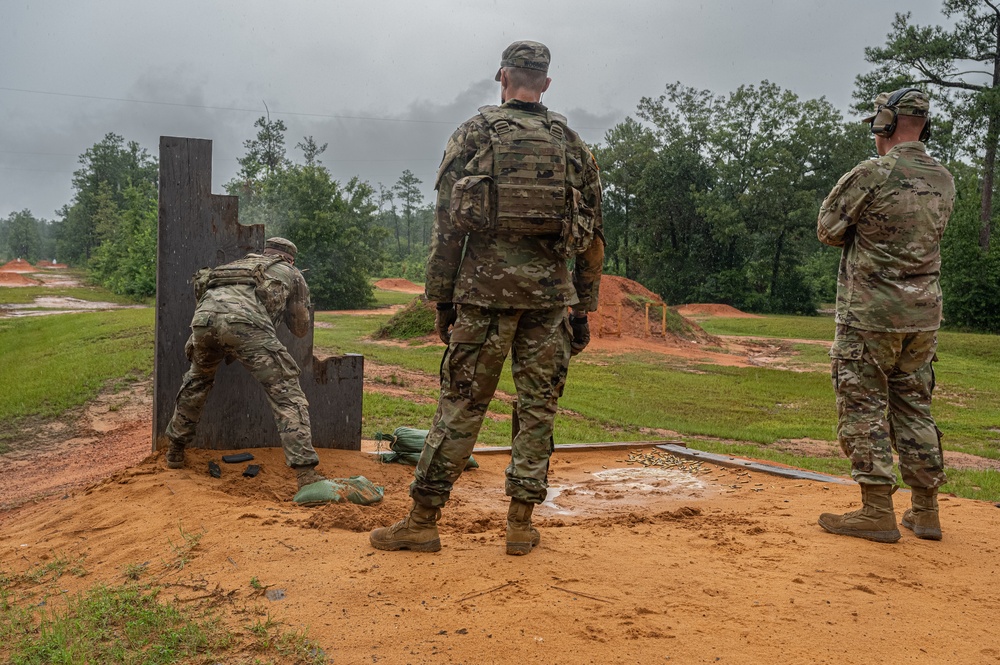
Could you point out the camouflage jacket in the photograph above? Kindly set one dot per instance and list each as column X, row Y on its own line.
column 287, row 297
column 889, row 215
column 510, row 272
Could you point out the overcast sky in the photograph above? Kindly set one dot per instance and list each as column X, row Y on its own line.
column 383, row 82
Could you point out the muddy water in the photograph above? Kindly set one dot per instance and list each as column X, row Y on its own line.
column 614, row 489
column 46, row 305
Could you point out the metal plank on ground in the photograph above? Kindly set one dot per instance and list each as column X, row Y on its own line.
column 736, row 462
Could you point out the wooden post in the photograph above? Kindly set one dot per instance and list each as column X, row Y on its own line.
column 647, row 321
column 664, row 324
column 197, row 229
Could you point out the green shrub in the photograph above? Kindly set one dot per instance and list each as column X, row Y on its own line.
column 414, row 320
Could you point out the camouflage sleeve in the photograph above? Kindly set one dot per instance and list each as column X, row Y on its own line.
column 447, row 243
column 590, row 264
column 298, row 308
column 846, row 202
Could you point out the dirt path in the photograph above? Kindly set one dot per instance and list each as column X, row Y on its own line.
column 698, row 566
column 109, row 435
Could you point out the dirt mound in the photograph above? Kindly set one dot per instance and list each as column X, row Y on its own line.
column 401, row 285
column 16, row 279
column 621, row 312
column 17, row 265
column 714, row 309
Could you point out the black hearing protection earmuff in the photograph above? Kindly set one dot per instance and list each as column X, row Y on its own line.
column 889, row 128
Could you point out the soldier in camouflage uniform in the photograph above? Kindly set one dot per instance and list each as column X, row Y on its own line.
column 236, row 317
column 889, row 215
column 518, row 194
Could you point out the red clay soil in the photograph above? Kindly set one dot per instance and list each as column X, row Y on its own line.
column 702, row 310
column 621, row 313
column 16, row 279
column 401, row 285
column 17, row 265
column 687, row 565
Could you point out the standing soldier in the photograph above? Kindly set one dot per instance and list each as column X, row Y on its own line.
column 237, row 313
column 518, row 195
column 889, row 215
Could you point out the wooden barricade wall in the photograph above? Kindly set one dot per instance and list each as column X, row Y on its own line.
column 198, row 229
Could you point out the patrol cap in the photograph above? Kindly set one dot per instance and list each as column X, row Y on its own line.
column 526, row 55
column 913, row 102
column 282, row 245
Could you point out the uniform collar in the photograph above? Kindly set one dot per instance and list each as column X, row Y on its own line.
column 536, row 107
column 908, row 145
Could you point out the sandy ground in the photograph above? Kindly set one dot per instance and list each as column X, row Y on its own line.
column 396, row 284
column 109, row 435
column 686, row 563
column 693, row 565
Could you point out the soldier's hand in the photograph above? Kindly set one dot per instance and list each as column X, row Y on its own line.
column 444, row 319
column 581, row 333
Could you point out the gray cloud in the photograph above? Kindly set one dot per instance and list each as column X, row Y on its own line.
column 430, row 61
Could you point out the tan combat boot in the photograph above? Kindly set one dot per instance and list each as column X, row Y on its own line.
column 417, row 532
column 175, row 455
column 521, row 536
column 307, row 475
column 922, row 518
column 874, row 521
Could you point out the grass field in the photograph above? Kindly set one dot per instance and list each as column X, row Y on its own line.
column 620, row 397
column 51, row 364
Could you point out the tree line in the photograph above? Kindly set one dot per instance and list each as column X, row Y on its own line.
column 707, row 197
column 714, row 198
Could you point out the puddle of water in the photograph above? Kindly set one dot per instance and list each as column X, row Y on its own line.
column 639, row 482
column 46, row 305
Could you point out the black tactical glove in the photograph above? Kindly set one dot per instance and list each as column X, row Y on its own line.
column 444, row 319
column 581, row 333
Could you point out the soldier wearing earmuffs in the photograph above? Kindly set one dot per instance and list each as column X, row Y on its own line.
column 889, row 214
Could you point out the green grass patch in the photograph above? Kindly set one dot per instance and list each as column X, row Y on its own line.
column 785, row 327
column 749, row 404
column 387, row 298
column 53, row 363
column 117, row 625
column 130, row 623
column 983, row 485
column 353, row 334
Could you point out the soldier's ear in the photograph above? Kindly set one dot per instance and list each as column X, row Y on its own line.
column 547, row 82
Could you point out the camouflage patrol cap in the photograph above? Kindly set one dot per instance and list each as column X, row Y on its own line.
column 282, row 245
column 527, row 55
column 912, row 102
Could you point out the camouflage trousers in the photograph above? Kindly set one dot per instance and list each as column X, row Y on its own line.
column 539, row 342
column 883, row 383
column 270, row 364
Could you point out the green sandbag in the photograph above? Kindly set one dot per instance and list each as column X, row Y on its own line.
column 356, row 489
column 406, row 444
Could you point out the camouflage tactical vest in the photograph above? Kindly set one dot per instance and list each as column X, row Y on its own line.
column 526, row 191
column 248, row 271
